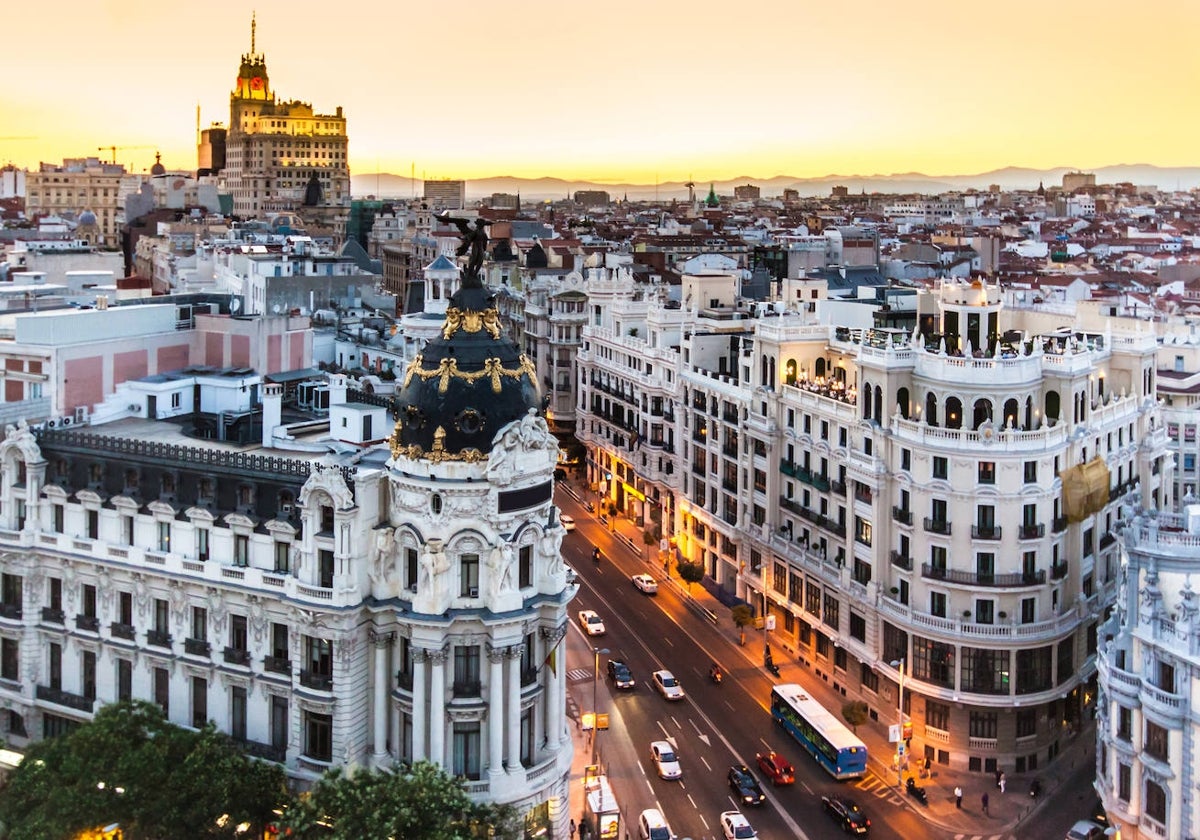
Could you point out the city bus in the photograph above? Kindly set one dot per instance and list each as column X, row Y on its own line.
column 834, row 746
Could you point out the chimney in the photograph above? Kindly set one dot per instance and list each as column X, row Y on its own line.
column 102, row 301
column 337, row 389
column 272, row 404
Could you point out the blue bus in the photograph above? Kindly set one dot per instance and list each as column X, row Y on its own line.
column 834, row 746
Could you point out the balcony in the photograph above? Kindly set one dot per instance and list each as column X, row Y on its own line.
column 237, row 656
column 268, row 752
column 313, row 679
column 902, row 561
column 985, row 532
column 12, row 611
column 88, row 623
column 787, row 468
column 1031, row 532
column 404, row 680
column 903, row 516
column 65, row 698
column 982, row 578
column 277, row 665
column 158, row 638
column 467, row 688
column 119, row 630
column 937, row 526
column 1107, row 540
column 196, row 647
column 529, row 676
column 53, row 616
column 1059, row 524
column 1058, row 571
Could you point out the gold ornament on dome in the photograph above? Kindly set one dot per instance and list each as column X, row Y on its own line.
column 471, row 321
column 447, row 369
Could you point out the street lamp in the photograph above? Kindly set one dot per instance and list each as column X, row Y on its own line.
column 899, row 663
column 595, row 716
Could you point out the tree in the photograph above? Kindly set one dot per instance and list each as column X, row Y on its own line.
column 420, row 802
column 855, row 712
column 690, row 572
column 743, row 617
column 131, row 766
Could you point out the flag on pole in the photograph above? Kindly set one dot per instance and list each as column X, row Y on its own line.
column 550, row 660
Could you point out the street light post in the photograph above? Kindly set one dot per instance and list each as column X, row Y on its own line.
column 595, row 713
column 899, row 663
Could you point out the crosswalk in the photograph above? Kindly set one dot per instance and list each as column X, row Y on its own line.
column 984, row 837
column 880, row 789
column 579, row 674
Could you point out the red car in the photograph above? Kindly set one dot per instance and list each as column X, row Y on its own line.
column 776, row 768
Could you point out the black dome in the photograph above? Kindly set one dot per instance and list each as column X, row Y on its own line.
column 467, row 384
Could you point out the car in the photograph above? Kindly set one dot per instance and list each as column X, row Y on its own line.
column 667, row 685
column 776, row 768
column 653, row 826
column 592, row 624
column 568, row 522
column 1086, row 830
column 736, row 826
column 620, row 674
column 666, row 762
column 745, row 786
column 645, row 583
column 846, row 813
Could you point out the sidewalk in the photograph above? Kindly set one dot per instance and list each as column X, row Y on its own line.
column 1007, row 812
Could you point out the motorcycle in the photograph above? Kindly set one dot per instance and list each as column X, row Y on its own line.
column 915, row 792
column 1035, row 788
column 596, row 556
column 714, row 674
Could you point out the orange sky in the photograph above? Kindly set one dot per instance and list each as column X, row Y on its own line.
column 637, row 91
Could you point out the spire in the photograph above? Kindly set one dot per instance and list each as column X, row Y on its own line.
column 253, row 27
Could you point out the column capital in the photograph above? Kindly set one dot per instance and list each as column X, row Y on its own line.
column 439, row 656
column 420, row 655
column 380, row 639
column 515, row 651
column 553, row 635
column 495, row 654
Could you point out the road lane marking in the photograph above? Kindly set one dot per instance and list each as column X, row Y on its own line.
column 706, row 767
column 674, row 721
column 693, row 801
column 701, row 816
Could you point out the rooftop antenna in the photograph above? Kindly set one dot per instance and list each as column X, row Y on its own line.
column 253, row 26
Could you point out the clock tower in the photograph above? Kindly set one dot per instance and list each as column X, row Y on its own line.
column 252, row 82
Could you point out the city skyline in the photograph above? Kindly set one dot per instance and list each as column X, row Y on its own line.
column 670, row 92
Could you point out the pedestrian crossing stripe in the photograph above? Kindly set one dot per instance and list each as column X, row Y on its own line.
column 578, row 674
column 984, row 837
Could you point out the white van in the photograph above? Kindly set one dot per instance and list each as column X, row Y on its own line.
column 652, row 825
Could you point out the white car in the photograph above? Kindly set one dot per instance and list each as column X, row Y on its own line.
column 592, row 624
column 736, row 826
column 667, row 685
column 568, row 522
column 645, row 583
column 666, row 762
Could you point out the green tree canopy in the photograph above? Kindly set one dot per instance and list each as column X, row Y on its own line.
column 855, row 712
column 131, row 766
column 743, row 617
column 690, row 572
column 420, row 802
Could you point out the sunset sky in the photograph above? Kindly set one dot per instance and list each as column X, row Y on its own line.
column 627, row 90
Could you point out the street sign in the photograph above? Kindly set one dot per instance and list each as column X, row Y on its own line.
column 893, row 733
column 770, row 619
column 602, row 720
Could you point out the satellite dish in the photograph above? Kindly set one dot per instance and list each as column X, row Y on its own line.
column 235, row 305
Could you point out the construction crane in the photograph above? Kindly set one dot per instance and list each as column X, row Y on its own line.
column 113, row 150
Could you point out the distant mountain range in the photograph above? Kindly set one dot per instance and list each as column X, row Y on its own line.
column 387, row 185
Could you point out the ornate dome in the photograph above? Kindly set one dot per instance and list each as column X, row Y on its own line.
column 158, row 168
column 87, row 217
column 467, row 384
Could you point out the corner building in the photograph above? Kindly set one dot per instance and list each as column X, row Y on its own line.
column 939, row 504
column 332, row 598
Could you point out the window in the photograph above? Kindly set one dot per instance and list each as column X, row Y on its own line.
column 318, row 736
column 1124, row 782
column 93, row 524
column 202, row 544
column 282, row 549
column 858, row 626
column 1031, row 472
column 10, row 660
column 325, row 569
column 280, row 722
column 164, row 536
column 987, row 472
column 87, row 600
column 984, row 611
column 933, row 662
column 125, row 608
column 1028, row 610
column 200, row 624
column 1156, row 741
column 525, row 567
column 237, row 712
column 279, row 640
column 868, row 677
column 1124, row 724
column 937, row 715
column 1033, row 670
column 124, row 679
column 985, row 567
column 906, row 459
column 10, row 594
column 985, row 670
column 467, row 750
column 237, row 633
column 1026, row 723
column 162, row 690
column 410, row 569
column 862, row 530
column 127, row 530
column 57, row 513
column 1166, row 677
column 982, row 725
column 1066, row 659
column 241, row 550
column 55, row 670
column 937, row 604
column 199, row 702
column 56, row 594
column 469, row 576
column 161, row 615
column 832, row 607
column 941, row 467
column 1156, row 802
column 466, row 671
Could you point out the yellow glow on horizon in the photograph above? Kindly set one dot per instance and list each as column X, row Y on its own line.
column 634, row 93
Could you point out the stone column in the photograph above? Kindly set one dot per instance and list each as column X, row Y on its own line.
column 437, row 707
column 420, row 701
column 513, row 709
column 554, row 682
column 495, row 716
column 383, row 680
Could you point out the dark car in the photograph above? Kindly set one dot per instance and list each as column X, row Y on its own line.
column 846, row 814
column 620, row 674
column 745, row 786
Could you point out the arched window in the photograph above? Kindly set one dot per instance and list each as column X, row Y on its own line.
column 931, row 409
column 819, row 367
column 1053, row 408
column 878, row 405
column 1010, row 414
column 954, row 413
column 902, row 402
column 866, row 401
column 789, row 374
column 983, row 413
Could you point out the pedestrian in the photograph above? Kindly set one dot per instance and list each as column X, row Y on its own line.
column 958, row 797
column 985, row 802
column 998, row 774
column 572, row 829
column 1003, row 782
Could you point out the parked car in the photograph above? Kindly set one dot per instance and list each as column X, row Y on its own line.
column 736, row 826
column 592, row 623
column 568, row 522
column 846, row 813
column 666, row 762
column 745, row 786
column 1086, row 830
column 620, row 674
column 645, row 583
column 653, row 826
column 667, row 685
column 776, row 768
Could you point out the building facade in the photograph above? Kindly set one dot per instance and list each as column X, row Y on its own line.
column 77, row 188
column 445, row 194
